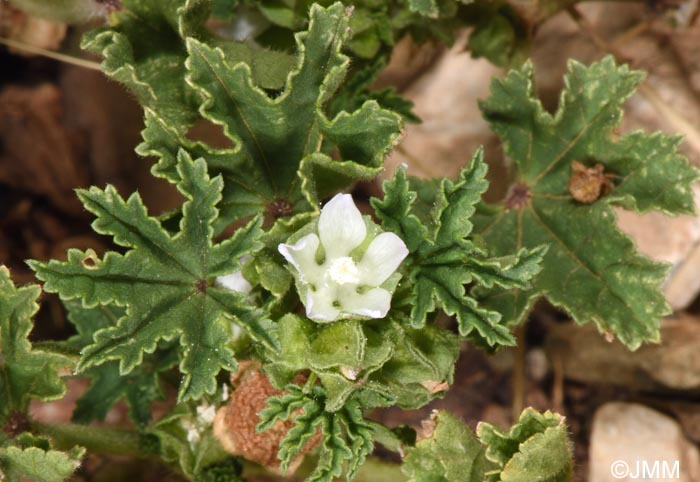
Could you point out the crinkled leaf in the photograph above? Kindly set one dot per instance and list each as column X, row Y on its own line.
column 357, row 89
column 500, row 34
column 379, row 364
column 32, row 458
column 306, row 425
column 140, row 388
column 346, row 435
column 229, row 470
column 25, row 373
column 273, row 137
column 344, row 354
column 166, row 282
column 423, row 361
column 591, row 269
column 536, row 448
column 427, row 8
column 444, row 257
column 193, row 456
column 449, row 453
column 144, row 48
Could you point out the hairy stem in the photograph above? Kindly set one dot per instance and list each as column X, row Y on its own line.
column 100, row 440
column 373, row 470
column 518, row 402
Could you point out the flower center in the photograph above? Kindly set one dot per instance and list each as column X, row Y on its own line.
column 343, row 270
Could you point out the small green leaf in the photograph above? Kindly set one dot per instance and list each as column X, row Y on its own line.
column 144, row 48
column 536, row 448
column 346, row 435
column 140, row 388
column 427, row 8
column 25, row 373
column 36, row 464
column 499, row 33
column 187, row 441
column 305, row 427
column 448, row 453
column 357, row 89
column 444, row 257
column 591, row 268
column 166, row 282
column 395, row 211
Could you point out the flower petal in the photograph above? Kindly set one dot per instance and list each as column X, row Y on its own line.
column 235, row 282
column 319, row 304
column 374, row 303
column 384, row 254
column 302, row 256
column 341, row 226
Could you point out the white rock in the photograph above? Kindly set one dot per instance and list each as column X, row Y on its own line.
column 445, row 99
column 628, row 439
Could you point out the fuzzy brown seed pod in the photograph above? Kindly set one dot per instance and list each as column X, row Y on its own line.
column 588, row 183
column 235, row 422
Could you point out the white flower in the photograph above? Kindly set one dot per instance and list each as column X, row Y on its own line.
column 235, row 281
column 196, row 426
column 342, row 285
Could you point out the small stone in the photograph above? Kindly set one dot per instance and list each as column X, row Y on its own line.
column 453, row 127
column 674, row 364
column 675, row 240
column 628, row 439
column 536, row 364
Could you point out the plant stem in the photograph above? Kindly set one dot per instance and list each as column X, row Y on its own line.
column 101, row 440
column 373, row 470
column 68, row 59
column 519, row 373
column 377, row 470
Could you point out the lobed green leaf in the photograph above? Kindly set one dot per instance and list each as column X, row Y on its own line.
column 449, row 452
column 445, row 258
column 25, row 372
column 591, row 268
column 276, row 164
column 166, row 283
column 535, row 448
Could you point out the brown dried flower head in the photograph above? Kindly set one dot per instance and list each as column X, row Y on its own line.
column 235, row 422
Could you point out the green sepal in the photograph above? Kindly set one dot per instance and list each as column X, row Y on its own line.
column 381, row 363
